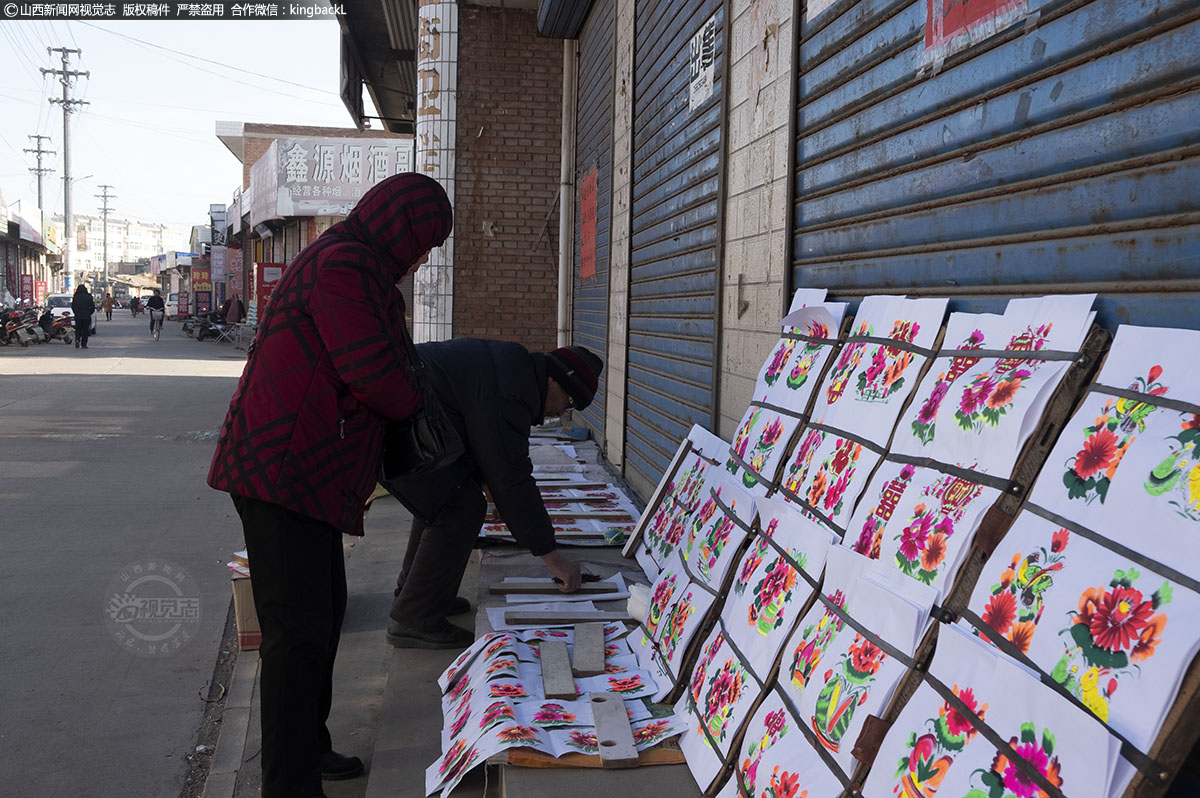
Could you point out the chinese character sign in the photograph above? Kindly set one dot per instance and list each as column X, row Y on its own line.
column 27, row 289
column 702, row 61
column 202, row 288
column 326, row 177
column 266, row 275
column 39, row 291
column 437, row 109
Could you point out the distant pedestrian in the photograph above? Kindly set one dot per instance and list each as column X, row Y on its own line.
column 83, row 306
column 233, row 311
column 134, row 305
column 300, row 452
column 108, row 306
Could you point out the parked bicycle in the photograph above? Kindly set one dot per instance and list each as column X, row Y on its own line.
column 156, row 320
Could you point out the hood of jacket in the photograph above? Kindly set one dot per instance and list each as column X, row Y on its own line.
column 400, row 219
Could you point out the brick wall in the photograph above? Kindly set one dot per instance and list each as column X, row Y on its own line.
column 756, row 206
column 507, row 175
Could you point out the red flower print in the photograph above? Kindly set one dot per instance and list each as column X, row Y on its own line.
column 583, row 739
column 1059, row 540
column 1004, row 394
column 626, row 685
column 1001, row 611
column 785, row 785
column 495, row 647
column 935, row 551
column 650, row 731
column 820, row 481
column 956, row 722
column 1119, row 619
column 865, row 656
column 515, row 733
column 1097, row 452
column 507, row 691
column 1016, row 780
column 1155, row 373
column 912, row 539
column 1192, row 423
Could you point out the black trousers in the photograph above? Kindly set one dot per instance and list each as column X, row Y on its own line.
column 437, row 557
column 298, row 576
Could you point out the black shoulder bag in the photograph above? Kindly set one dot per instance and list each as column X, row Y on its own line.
column 426, row 440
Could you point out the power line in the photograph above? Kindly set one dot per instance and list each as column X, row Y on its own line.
column 39, row 170
column 217, row 63
column 67, row 76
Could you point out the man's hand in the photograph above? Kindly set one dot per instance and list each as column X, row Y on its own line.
column 564, row 570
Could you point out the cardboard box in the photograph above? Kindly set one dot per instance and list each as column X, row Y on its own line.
column 249, row 633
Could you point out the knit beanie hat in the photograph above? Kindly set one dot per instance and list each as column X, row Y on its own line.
column 577, row 370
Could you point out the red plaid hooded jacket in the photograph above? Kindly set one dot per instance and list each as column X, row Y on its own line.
column 328, row 369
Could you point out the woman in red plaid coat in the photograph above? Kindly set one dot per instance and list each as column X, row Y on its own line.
column 300, row 451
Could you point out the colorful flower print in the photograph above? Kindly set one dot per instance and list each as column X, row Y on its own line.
column 516, row 734
column 1113, row 629
column 700, row 520
column 663, row 592
column 499, row 665
column 767, row 441
column 583, row 741
column 741, row 441
column 834, row 477
column 848, row 360
column 507, row 691
column 495, row 648
column 870, row 538
column 924, row 424
column 772, row 593
column 783, row 353
column 1015, row 606
column 753, row 558
column 814, row 640
column 990, row 396
column 650, row 733
column 1006, row 780
column 712, row 545
column 921, row 772
column 884, row 376
column 706, row 658
column 797, row 471
column 923, row 543
column 847, row 686
column 724, row 691
column 1089, row 473
column 775, row 727
column 633, row 684
column 799, row 373
column 1179, row 473
column 460, row 688
column 458, row 760
column 496, row 712
column 551, row 715
column 784, row 785
column 676, row 622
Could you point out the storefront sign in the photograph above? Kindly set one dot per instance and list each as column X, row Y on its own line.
column 702, row 60
column 202, row 288
column 266, row 275
column 27, row 289
column 183, row 308
column 39, row 291
column 587, row 225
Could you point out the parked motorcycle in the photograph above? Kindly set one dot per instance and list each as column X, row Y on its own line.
column 210, row 325
column 15, row 332
column 33, row 330
column 57, row 328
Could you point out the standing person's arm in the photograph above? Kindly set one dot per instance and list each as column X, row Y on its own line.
column 350, row 309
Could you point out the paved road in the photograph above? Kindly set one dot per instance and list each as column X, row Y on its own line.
column 102, row 461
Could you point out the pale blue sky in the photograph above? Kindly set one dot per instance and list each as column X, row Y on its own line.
column 149, row 128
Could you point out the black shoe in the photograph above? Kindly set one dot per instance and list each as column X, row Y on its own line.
column 460, row 606
column 447, row 635
column 77, row 344
column 335, row 766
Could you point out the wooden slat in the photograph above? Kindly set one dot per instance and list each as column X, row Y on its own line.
column 557, row 681
column 523, row 617
column 538, row 586
column 587, row 659
column 613, row 734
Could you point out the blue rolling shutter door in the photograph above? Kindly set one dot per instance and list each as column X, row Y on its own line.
column 593, row 151
column 1060, row 154
column 675, row 227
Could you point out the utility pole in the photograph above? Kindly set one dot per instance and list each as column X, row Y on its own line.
column 66, row 76
column 39, row 171
column 105, row 197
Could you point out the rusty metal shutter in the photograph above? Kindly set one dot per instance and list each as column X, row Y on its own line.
column 593, row 152
column 1061, row 153
column 675, row 226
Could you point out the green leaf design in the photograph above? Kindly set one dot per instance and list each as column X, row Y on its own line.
column 1076, row 487
column 1061, row 670
column 1093, row 654
column 1028, row 732
column 1163, row 595
column 976, row 794
column 1163, row 477
column 1047, row 742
